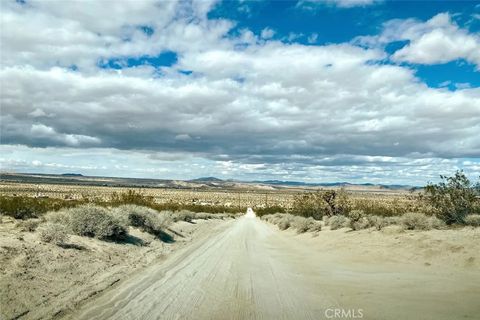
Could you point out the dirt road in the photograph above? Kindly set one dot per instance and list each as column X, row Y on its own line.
column 250, row 270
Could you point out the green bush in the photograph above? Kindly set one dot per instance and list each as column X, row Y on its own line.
column 453, row 198
column 53, row 232
column 321, row 203
column 269, row 210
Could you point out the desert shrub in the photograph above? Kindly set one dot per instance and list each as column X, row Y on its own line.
column 419, row 221
column 376, row 221
column 95, row 221
column 183, row 215
column 473, row 220
column 285, row 221
column 414, row 221
column 388, row 221
column 61, row 217
column 29, row 207
column 284, row 224
column 131, row 197
column 453, row 198
column 207, row 216
column 204, row 216
column 309, row 205
column 28, row 225
column 302, row 225
column 271, row 218
column 315, row 227
column 269, row 210
column 321, row 203
column 435, row 223
column 337, row 222
column 146, row 219
column 358, row 220
column 53, row 233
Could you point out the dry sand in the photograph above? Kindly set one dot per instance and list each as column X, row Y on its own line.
column 251, row 270
column 245, row 269
column 43, row 281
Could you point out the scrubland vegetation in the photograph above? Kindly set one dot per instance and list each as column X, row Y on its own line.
column 55, row 219
column 455, row 201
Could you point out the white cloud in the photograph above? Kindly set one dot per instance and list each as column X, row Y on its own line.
column 438, row 40
column 40, row 131
column 267, row 33
column 258, row 107
column 309, row 4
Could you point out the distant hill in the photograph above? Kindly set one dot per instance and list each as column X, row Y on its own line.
column 330, row 184
column 202, row 182
column 207, row 179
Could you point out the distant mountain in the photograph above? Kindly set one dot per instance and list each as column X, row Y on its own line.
column 329, row 184
column 72, row 175
column 203, row 182
column 206, row 179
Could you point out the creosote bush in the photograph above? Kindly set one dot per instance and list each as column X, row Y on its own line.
column 321, row 203
column 453, row 198
column 53, row 233
column 22, row 207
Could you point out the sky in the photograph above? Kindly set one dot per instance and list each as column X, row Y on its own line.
column 319, row 91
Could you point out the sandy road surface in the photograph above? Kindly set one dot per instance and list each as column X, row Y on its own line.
column 252, row 271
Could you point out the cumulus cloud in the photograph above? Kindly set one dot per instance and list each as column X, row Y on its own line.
column 310, row 4
column 267, row 33
column 438, row 40
column 235, row 104
column 41, row 131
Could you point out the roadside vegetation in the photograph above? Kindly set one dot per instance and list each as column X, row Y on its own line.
column 455, row 201
column 55, row 219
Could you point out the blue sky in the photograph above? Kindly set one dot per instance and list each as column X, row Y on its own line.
column 333, row 90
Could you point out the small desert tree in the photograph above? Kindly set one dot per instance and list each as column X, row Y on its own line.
column 318, row 204
column 453, row 198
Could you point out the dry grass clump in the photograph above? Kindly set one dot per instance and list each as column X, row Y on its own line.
column 53, row 233
column 27, row 225
column 90, row 221
column 303, row 225
column 183, row 215
column 473, row 220
column 146, row 219
column 337, row 222
column 300, row 224
column 419, row 221
column 358, row 220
